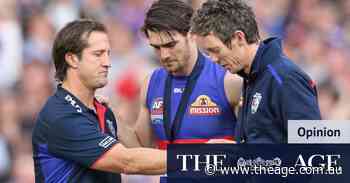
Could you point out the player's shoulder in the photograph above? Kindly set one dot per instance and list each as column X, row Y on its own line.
column 212, row 70
column 57, row 107
column 158, row 71
column 157, row 76
column 292, row 70
column 285, row 70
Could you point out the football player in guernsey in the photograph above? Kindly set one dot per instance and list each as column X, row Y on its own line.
column 190, row 99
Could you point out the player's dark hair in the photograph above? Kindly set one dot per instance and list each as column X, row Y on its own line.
column 72, row 38
column 224, row 18
column 167, row 16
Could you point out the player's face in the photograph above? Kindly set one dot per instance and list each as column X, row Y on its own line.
column 231, row 58
column 95, row 61
column 173, row 50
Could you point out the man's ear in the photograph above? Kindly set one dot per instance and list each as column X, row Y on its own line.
column 240, row 37
column 72, row 59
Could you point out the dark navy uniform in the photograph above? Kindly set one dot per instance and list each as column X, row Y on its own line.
column 69, row 137
column 275, row 91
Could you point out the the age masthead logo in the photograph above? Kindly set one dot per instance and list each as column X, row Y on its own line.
column 203, row 105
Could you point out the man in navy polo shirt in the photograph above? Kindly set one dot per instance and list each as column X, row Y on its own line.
column 275, row 90
column 75, row 136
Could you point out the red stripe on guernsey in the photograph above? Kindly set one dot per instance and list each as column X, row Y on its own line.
column 162, row 144
column 100, row 110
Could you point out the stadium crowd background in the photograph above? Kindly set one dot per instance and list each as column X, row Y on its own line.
column 316, row 35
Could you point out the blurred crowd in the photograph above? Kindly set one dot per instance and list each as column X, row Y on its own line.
column 316, row 35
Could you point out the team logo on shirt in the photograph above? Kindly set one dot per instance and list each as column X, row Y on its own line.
column 157, row 111
column 203, row 105
column 255, row 102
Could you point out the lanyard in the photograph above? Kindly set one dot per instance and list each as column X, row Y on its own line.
column 171, row 129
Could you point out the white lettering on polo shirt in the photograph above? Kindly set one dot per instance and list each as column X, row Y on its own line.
column 70, row 99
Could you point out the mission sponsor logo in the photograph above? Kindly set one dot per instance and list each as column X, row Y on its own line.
column 157, row 111
column 203, row 105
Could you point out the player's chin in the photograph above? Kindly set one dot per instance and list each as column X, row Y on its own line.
column 101, row 83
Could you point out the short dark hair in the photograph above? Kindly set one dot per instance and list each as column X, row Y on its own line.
column 168, row 15
column 72, row 38
column 223, row 18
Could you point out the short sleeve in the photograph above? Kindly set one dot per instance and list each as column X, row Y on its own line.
column 74, row 137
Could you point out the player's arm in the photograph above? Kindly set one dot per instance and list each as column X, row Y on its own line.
column 141, row 134
column 126, row 134
column 136, row 160
column 143, row 126
column 120, row 159
column 233, row 87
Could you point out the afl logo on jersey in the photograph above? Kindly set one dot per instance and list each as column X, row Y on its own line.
column 203, row 105
column 157, row 111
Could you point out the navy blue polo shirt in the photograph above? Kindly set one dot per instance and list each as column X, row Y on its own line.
column 275, row 91
column 69, row 137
